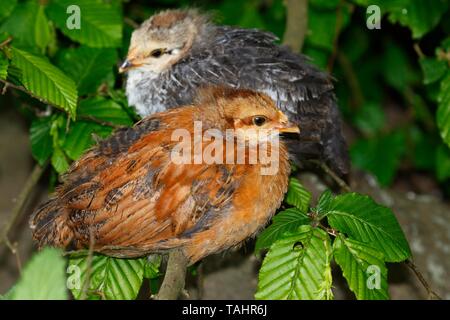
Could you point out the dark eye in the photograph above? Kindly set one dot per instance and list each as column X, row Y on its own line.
column 259, row 120
column 157, row 53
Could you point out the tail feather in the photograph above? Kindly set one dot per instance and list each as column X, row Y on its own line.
column 49, row 225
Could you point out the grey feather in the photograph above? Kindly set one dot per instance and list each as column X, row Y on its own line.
column 249, row 58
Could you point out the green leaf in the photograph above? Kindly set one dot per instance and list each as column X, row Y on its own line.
column 400, row 72
column 362, row 219
column 324, row 202
column 318, row 56
column 88, row 67
column 442, row 163
column 370, row 118
column 362, row 266
column 298, row 196
column 3, row 66
column 6, row 8
column 104, row 110
column 41, row 140
column 443, row 112
column 100, row 24
column 370, row 154
column 109, row 279
column 80, row 137
column 424, row 148
column 43, row 278
column 59, row 161
column 432, row 69
column 322, row 25
column 325, row 4
column 286, row 221
column 383, row 4
column 152, row 265
column 28, row 25
column 45, row 80
column 297, row 267
column 421, row 16
column 321, row 28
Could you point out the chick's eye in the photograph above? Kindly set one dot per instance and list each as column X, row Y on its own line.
column 157, row 53
column 259, row 120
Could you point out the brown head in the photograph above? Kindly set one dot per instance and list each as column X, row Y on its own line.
column 163, row 39
column 245, row 111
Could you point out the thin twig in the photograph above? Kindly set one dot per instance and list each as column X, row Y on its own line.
column 101, row 122
column 89, row 258
column 23, row 89
column 352, row 80
column 175, row 277
column 341, row 183
column 296, row 24
column 131, row 23
column 15, row 251
column 6, row 42
column 418, row 50
column 431, row 293
column 338, row 27
column 21, row 200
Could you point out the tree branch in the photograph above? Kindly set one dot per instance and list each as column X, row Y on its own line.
column 6, row 42
column 431, row 294
column 21, row 200
column 296, row 24
column 175, row 277
column 23, row 89
column 341, row 183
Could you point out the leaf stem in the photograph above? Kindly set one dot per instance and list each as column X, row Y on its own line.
column 8, row 84
column 101, row 122
column 5, row 42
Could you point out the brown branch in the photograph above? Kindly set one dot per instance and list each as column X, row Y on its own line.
column 341, row 183
column 101, row 122
column 352, row 80
column 90, row 256
column 175, row 277
column 21, row 200
column 338, row 27
column 5, row 42
column 15, row 251
column 8, row 84
column 431, row 294
column 296, row 24
column 131, row 23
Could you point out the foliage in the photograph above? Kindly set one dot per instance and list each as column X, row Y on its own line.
column 108, row 278
column 393, row 90
column 42, row 279
column 298, row 264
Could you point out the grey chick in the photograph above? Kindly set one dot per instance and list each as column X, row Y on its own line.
column 175, row 52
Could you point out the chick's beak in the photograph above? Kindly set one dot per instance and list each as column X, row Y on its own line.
column 289, row 128
column 126, row 65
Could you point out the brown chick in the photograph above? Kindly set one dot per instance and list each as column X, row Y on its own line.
column 141, row 192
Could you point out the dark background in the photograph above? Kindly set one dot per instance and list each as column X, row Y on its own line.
column 397, row 153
